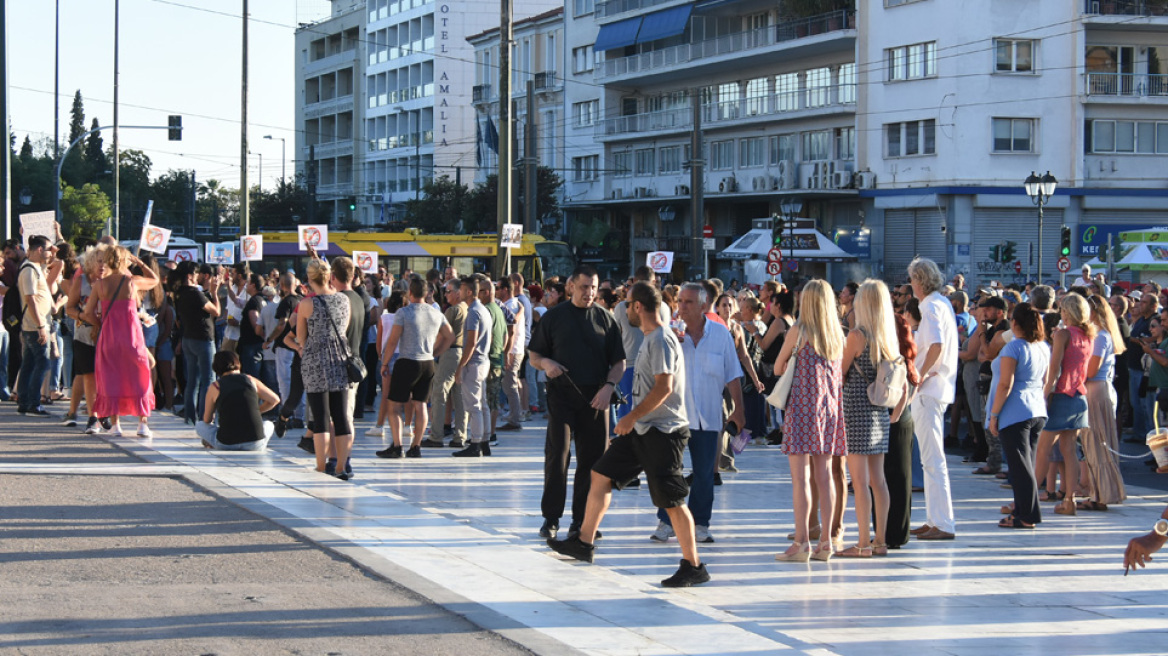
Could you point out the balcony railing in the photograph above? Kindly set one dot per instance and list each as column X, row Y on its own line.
column 480, row 93
column 614, row 7
column 736, row 42
column 1127, row 7
column 545, row 80
column 1132, row 85
column 801, row 100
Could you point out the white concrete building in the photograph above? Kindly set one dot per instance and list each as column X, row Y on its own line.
column 330, row 59
column 953, row 120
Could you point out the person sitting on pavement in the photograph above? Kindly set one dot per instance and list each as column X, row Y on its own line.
column 238, row 401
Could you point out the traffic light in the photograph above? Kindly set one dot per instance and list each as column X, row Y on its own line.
column 1009, row 251
column 352, row 206
column 1065, row 249
column 174, row 131
column 777, row 232
column 995, row 253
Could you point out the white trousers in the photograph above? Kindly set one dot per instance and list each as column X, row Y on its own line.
column 928, row 416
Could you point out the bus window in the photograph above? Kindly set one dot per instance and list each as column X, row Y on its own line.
column 556, row 259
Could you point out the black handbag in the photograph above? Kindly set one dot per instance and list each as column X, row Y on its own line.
column 354, row 366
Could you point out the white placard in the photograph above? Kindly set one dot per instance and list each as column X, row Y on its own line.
column 183, row 255
column 317, row 235
column 660, row 261
column 512, row 235
column 38, row 223
column 222, row 253
column 251, row 248
column 154, row 239
column 366, row 261
column 709, row 244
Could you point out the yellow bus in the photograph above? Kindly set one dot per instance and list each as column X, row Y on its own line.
column 537, row 259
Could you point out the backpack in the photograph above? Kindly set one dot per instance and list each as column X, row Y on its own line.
column 887, row 388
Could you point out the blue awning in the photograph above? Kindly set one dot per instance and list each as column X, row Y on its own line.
column 665, row 23
column 618, row 35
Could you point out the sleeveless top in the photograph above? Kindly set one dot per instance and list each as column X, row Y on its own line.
column 239, row 411
column 771, row 353
column 1074, row 364
column 322, row 363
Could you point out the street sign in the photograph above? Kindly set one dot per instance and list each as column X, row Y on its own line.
column 1018, row 266
column 707, row 231
column 1064, row 265
column 709, row 243
column 774, row 255
column 774, row 268
column 793, row 265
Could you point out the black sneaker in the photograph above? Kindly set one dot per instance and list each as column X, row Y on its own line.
column 494, row 438
column 330, row 467
column 307, row 444
column 106, row 423
column 472, row 451
column 391, row 452
column 574, row 548
column 549, row 529
column 69, row 421
column 574, row 532
column 431, row 442
column 414, row 452
column 35, row 412
column 281, row 426
column 687, row 576
column 485, row 448
column 91, row 427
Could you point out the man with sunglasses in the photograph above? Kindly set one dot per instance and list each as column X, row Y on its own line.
column 38, row 275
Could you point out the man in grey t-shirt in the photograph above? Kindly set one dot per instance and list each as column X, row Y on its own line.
column 651, row 438
column 474, row 367
column 631, row 337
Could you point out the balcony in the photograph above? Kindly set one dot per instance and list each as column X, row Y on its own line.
column 793, row 104
column 480, row 93
column 335, row 105
column 731, row 44
column 614, row 7
column 545, row 81
column 1127, row 7
column 1112, row 86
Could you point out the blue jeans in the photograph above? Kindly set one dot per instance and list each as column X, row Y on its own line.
column 55, row 363
column 198, row 354
column 703, row 452
column 251, row 358
column 918, row 470
column 5, row 393
column 1141, row 407
column 34, row 365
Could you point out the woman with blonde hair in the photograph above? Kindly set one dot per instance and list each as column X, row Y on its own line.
column 122, row 363
column 872, row 342
column 1100, row 440
column 1066, row 391
column 814, row 423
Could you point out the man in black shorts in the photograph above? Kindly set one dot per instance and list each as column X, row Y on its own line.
column 420, row 333
column 650, row 438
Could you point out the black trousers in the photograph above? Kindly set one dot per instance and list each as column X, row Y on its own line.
column 898, row 472
column 1018, row 441
column 571, row 418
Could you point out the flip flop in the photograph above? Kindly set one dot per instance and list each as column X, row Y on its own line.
column 1091, row 505
column 1014, row 522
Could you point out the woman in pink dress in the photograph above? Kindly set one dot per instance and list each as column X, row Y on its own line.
column 123, row 363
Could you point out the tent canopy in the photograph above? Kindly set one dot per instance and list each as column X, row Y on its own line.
column 810, row 246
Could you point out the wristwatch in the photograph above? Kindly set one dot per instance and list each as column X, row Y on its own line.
column 1161, row 528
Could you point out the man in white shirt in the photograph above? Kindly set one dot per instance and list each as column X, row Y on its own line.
column 513, row 359
column 937, row 363
column 237, row 298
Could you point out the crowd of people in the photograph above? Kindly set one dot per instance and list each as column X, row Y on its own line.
column 857, row 386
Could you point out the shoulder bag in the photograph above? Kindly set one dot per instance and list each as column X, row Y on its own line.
column 778, row 396
column 353, row 365
column 886, row 389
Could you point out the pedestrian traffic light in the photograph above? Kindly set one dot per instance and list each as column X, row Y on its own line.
column 995, row 253
column 174, row 130
column 1009, row 251
column 1065, row 249
column 777, row 232
column 352, row 206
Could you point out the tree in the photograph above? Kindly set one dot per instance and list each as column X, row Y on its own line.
column 482, row 207
column 281, row 207
column 34, row 170
column 171, row 193
column 441, row 209
column 77, row 118
column 94, row 154
column 84, row 211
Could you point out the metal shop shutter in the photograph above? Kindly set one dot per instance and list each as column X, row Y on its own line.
column 907, row 234
column 993, row 226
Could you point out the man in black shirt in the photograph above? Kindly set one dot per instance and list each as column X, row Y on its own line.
column 578, row 345
column 286, row 371
column 197, row 310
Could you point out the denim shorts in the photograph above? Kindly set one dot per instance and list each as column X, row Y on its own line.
column 1066, row 412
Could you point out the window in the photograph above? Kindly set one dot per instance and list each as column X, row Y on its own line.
column 586, row 113
column 669, row 159
column 818, row 86
column 1120, row 137
column 912, row 62
column 622, row 163
column 847, row 84
column 845, row 143
column 782, row 147
column 1014, row 55
column 909, row 138
column 752, row 151
column 582, row 7
column 722, row 155
column 583, row 59
column 756, row 92
column 786, row 92
column 816, row 145
column 585, row 168
column 645, row 161
column 1013, row 135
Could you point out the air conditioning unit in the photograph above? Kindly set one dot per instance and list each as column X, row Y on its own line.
column 826, row 172
column 759, row 183
column 841, row 180
column 786, row 177
column 681, row 190
column 728, row 185
column 809, row 175
column 866, row 180
column 639, row 192
column 618, row 193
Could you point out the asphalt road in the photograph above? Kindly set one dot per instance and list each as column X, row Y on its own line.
column 137, row 564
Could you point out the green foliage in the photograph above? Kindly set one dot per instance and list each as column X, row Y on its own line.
column 441, row 207
column 84, row 211
column 282, row 207
column 94, row 155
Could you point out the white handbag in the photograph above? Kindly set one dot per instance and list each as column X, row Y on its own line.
column 782, row 390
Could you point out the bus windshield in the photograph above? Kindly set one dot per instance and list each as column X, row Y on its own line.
column 556, row 259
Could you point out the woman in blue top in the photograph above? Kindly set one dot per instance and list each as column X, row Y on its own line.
column 1017, row 411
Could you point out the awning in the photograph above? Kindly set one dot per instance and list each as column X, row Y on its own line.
column 809, row 246
column 402, row 249
column 293, row 250
column 618, row 35
column 665, row 23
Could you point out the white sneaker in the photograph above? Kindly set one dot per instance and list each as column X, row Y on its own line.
column 663, row 533
column 144, row 431
column 702, row 534
column 115, row 430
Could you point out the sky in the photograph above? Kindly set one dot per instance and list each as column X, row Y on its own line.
column 176, row 57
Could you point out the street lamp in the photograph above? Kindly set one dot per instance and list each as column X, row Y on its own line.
column 791, row 209
column 283, row 159
column 1040, row 190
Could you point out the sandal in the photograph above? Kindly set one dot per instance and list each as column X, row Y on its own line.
column 879, row 549
column 1008, row 509
column 1002, row 475
column 855, row 552
column 1065, row 509
column 984, row 471
column 1014, row 522
column 1051, row 496
column 1091, row 505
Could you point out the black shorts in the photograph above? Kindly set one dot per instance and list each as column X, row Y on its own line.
column 656, row 453
column 410, row 380
column 84, row 359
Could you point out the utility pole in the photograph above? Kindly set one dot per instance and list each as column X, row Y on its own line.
column 311, row 180
column 506, row 152
column 530, row 186
column 56, row 103
column 194, row 220
column 6, row 158
column 117, row 156
column 244, row 213
column 696, row 180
